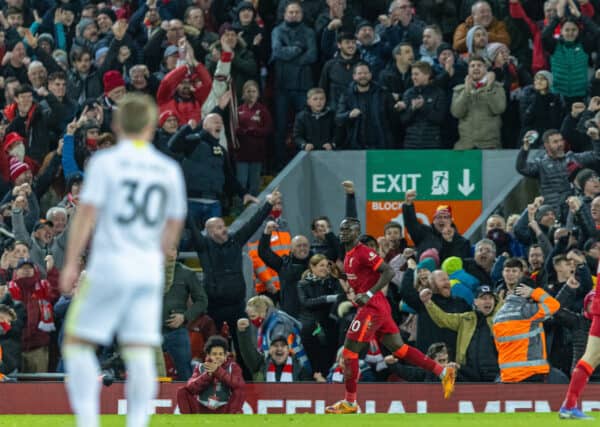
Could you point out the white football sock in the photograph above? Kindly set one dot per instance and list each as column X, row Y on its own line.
column 141, row 384
column 83, row 385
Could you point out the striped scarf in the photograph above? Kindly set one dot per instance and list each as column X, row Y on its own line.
column 374, row 356
column 296, row 347
column 286, row 374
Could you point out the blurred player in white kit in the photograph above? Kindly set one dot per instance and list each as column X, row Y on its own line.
column 134, row 203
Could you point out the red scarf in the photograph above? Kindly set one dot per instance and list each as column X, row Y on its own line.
column 40, row 294
column 287, row 375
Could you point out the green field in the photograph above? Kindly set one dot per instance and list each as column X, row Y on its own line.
column 379, row 420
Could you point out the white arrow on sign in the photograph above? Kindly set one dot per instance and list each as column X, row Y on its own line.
column 467, row 187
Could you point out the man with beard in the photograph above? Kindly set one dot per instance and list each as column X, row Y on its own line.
column 337, row 72
column 427, row 331
column 432, row 236
column 370, row 47
column 362, row 110
column 475, row 350
column 367, row 275
column 478, row 105
column 535, row 259
column 552, row 168
column 184, row 90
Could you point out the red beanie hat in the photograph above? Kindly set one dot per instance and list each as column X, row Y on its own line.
column 164, row 116
column 443, row 210
column 11, row 139
column 112, row 79
column 17, row 168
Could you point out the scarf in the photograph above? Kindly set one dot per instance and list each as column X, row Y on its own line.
column 337, row 376
column 286, row 373
column 374, row 356
column 296, row 347
column 40, row 294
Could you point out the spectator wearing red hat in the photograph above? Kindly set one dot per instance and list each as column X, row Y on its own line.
column 32, row 120
column 114, row 90
column 167, row 126
column 441, row 235
column 14, row 146
column 185, row 89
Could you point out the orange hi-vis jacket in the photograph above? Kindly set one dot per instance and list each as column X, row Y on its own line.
column 519, row 335
column 281, row 244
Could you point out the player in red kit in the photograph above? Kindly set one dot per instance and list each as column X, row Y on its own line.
column 367, row 274
column 588, row 362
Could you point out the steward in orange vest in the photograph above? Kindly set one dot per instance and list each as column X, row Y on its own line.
column 266, row 280
column 519, row 333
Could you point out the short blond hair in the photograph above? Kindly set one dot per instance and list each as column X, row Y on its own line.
column 136, row 112
column 260, row 303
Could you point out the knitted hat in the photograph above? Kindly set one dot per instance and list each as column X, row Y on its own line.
column 99, row 53
column 164, row 116
column 452, row 264
column 83, row 24
column 583, row 176
column 17, row 168
column 442, row 47
column 547, row 75
column 573, row 168
column 11, row 139
column 363, row 23
column 493, row 49
column 111, row 80
column 227, row 26
column 443, row 210
column 108, row 12
column 470, row 36
column 245, row 5
column 431, row 253
column 427, row 264
column 543, row 211
column 46, row 37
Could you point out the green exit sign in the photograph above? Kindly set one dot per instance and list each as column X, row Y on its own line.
column 435, row 174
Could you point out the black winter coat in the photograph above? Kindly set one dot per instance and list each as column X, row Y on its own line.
column 540, row 112
column 314, row 128
column 222, row 262
column 336, row 76
column 426, row 236
column 423, row 124
column 312, row 294
column 11, row 341
column 289, row 269
column 371, row 128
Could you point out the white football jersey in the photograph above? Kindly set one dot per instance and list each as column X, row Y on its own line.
column 135, row 190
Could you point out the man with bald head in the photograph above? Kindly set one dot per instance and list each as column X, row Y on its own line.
column 206, row 170
column 427, row 330
column 220, row 254
column 288, row 267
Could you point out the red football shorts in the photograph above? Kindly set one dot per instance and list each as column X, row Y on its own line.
column 372, row 321
column 595, row 328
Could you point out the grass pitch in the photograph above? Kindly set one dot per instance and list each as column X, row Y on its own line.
column 301, row 420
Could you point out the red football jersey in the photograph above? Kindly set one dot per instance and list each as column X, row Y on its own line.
column 361, row 265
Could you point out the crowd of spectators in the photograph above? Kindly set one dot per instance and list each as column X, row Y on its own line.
column 241, row 87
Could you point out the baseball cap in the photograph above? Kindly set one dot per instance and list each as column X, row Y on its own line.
column 484, row 290
column 278, row 338
column 41, row 223
column 24, row 261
